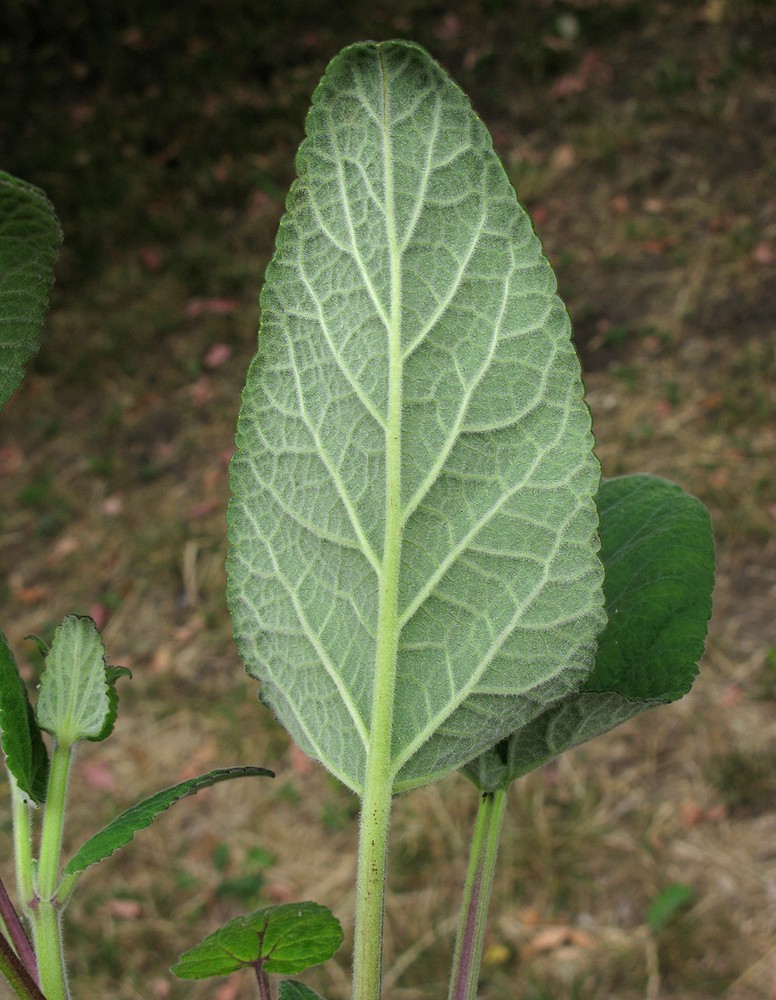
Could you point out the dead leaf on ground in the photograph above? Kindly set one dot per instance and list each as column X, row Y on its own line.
column 125, row 909
column 213, row 307
column 556, row 938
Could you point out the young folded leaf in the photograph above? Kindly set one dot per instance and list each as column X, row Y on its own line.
column 285, row 939
column 74, row 703
column 29, row 243
column 658, row 553
column 25, row 752
column 414, row 554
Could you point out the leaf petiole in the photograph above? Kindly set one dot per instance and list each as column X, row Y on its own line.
column 263, row 980
column 476, row 896
column 45, row 916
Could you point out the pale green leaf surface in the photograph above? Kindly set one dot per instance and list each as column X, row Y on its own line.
column 73, row 703
column 25, row 752
column 658, row 553
column 122, row 829
column 284, row 939
column 29, row 242
column 415, row 396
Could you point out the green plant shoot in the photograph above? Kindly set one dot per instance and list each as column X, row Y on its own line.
column 426, row 573
column 414, row 574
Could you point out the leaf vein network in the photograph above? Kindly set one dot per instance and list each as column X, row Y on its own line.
column 477, row 526
column 333, row 472
column 309, row 632
column 364, row 399
column 355, row 252
column 444, row 451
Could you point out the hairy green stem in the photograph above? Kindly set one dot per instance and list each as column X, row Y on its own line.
column 22, row 845
column 476, row 896
column 54, row 820
column 46, row 924
column 370, row 890
column 25, row 881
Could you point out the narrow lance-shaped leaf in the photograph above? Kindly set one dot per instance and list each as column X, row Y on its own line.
column 658, row 553
column 284, row 939
column 413, row 485
column 29, row 242
column 23, row 746
column 73, row 703
column 124, row 827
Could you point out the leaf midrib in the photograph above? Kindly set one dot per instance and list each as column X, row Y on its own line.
column 378, row 770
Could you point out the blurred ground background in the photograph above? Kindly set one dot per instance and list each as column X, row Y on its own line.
column 642, row 138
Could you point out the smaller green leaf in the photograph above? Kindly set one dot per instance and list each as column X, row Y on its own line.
column 667, row 904
column 284, row 939
column 29, row 243
column 658, row 554
column 138, row 817
column 290, row 990
column 73, row 703
column 23, row 746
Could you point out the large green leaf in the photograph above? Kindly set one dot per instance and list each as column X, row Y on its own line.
column 658, row 554
column 23, row 746
column 29, row 242
column 285, row 939
column 413, row 524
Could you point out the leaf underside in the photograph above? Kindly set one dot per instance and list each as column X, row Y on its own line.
column 658, row 553
column 29, row 242
column 284, row 939
column 138, row 817
column 73, row 703
column 410, row 335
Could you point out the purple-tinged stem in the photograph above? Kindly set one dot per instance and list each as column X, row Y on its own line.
column 17, row 976
column 263, row 980
column 476, row 897
column 16, row 930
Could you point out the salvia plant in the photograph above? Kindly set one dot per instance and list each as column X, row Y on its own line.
column 426, row 572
